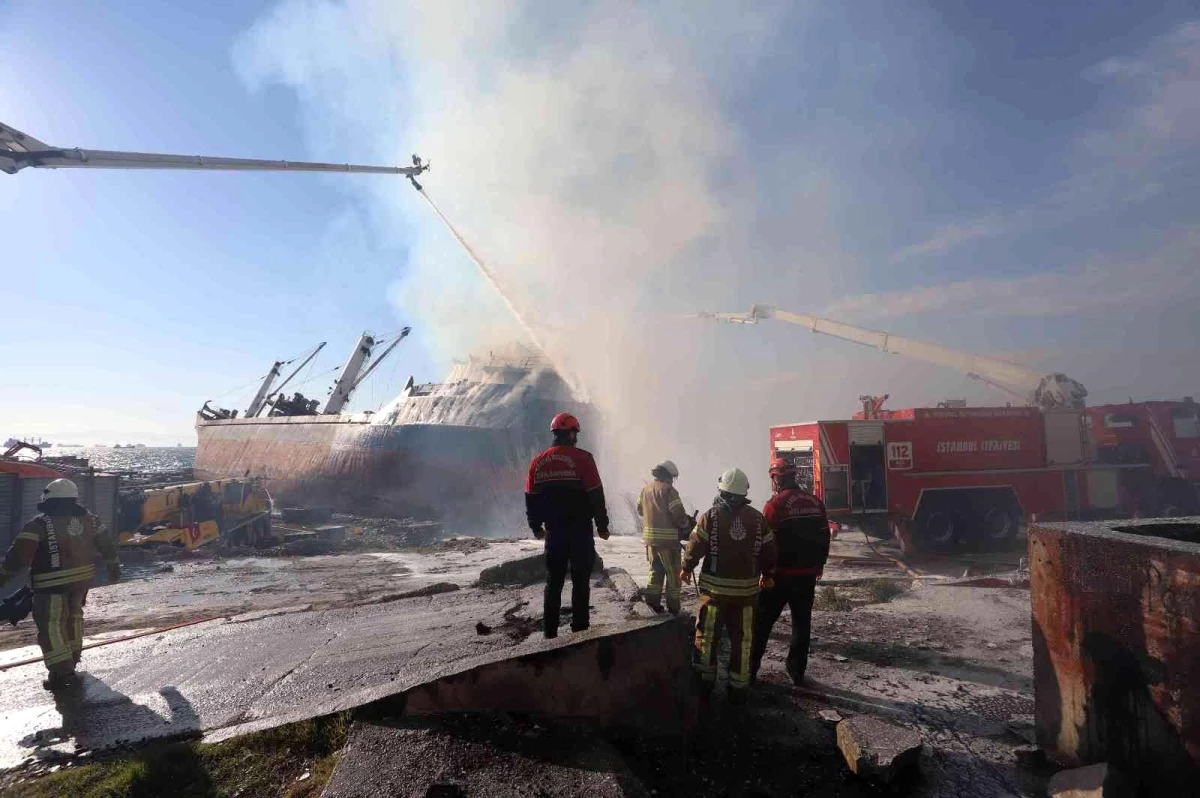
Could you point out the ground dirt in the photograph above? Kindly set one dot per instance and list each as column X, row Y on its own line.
column 894, row 640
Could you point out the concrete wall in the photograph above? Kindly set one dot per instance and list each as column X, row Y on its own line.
column 1116, row 636
column 636, row 674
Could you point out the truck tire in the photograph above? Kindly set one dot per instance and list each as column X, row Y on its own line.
column 999, row 524
column 936, row 529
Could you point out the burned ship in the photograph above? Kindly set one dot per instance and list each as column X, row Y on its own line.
column 456, row 450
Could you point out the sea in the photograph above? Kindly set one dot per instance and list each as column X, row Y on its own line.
column 149, row 459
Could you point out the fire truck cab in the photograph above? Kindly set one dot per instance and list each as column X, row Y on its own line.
column 944, row 477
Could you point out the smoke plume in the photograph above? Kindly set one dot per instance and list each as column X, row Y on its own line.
column 608, row 164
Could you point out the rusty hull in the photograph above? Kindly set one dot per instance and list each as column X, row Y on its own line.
column 1116, row 637
column 422, row 470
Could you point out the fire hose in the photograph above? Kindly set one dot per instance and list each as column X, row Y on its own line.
column 98, row 643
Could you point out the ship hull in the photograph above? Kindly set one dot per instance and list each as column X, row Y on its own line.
column 462, row 474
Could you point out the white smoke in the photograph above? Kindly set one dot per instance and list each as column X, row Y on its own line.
column 594, row 156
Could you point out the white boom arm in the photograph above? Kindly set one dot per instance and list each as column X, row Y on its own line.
column 1043, row 390
column 20, row 150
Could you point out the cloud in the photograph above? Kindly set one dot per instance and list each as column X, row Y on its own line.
column 1147, row 126
column 1167, row 276
column 951, row 236
column 1162, row 118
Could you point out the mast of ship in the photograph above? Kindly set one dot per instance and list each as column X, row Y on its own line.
column 349, row 374
column 257, row 402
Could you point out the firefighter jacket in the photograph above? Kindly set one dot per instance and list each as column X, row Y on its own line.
column 60, row 551
column 663, row 516
column 563, row 490
column 736, row 545
column 801, row 529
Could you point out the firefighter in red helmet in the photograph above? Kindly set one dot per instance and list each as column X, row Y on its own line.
column 801, row 528
column 563, row 496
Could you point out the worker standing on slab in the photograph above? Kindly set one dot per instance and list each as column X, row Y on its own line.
column 563, row 496
column 737, row 548
column 801, row 528
column 59, row 547
column 664, row 523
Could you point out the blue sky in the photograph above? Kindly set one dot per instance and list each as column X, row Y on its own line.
column 131, row 297
column 1009, row 178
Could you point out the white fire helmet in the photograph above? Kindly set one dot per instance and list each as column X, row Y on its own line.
column 670, row 468
column 734, row 481
column 60, row 489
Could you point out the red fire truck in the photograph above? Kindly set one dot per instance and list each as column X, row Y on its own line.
column 940, row 477
column 1164, row 435
column 952, row 475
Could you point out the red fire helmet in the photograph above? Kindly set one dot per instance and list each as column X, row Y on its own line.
column 781, row 466
column 564, row 422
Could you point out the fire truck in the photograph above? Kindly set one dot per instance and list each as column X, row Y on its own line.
column 950, row 476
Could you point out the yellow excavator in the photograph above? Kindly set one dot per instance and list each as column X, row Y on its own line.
column 192, row 514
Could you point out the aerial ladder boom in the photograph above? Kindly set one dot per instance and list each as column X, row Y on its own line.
column 20, row 150
column 1038, row 388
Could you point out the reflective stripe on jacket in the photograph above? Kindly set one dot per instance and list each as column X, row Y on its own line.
column 60, row 551
column 735, row 549
column 663, row 516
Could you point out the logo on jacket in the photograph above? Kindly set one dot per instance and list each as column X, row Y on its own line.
column 75, row 528
column 737, row 529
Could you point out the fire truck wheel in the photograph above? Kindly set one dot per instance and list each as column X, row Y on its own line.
column 999, row 524
column 937, row 528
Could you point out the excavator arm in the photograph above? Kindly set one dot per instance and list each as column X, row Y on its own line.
column 1039, row 389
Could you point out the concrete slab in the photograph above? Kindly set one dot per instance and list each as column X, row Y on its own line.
column 480, row 755
column 221, row 677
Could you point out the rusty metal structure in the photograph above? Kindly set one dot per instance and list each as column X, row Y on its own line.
column 1116, row 643
column 456, row 450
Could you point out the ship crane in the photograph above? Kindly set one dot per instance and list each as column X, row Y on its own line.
column 20, row 150
column 1040, row 389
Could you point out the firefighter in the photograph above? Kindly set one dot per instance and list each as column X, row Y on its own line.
column 738, row 552
column 801, row 528
column 664, row 522
column 59, row 547
column 563, row 496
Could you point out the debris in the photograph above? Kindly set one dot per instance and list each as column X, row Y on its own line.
column 165, row 569
column 304, row 776
column 830, row 716
column 1023, row 727
column 623, row 584
column 877, row 749
column 307, row 515
column 1030, row 757
column 1093, row 781
column 840, row 658
column 428, row 590
column 992, row 645
column 524, row 571
column 482, row 628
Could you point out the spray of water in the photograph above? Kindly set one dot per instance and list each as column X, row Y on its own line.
column 573, row 383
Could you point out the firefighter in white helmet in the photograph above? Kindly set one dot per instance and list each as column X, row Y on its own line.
column 737, row 549
column 59, row 548
column 664, row 524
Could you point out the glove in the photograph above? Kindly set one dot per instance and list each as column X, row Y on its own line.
column 685, row 576
column 538, row 532
column 603, row 533
column 114, row 574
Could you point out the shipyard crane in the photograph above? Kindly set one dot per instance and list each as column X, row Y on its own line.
column 1040, row 389
column 20, row 150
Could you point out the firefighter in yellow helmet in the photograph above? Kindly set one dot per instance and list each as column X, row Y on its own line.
column 59, row 548
column 737, row 548
column 664, row 524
